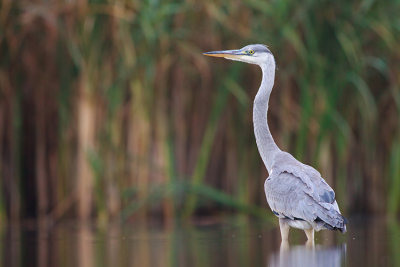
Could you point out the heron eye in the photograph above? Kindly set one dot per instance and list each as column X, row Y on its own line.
column 251, row 52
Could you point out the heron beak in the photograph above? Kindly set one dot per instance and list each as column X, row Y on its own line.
column 229, row 54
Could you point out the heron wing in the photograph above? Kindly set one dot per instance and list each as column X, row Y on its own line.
column 312, row 179
column 289, row 197
column 297, row 191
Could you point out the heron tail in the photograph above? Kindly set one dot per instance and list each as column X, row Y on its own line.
column 333, row 220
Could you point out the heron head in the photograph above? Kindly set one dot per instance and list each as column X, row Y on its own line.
column 254, row 54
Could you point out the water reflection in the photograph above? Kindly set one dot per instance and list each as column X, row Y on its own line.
column 234, row 242
column 308, row 256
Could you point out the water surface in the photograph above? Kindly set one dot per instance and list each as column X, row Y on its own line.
column 227, row 242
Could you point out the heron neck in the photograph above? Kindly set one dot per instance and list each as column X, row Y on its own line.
column 265, row 142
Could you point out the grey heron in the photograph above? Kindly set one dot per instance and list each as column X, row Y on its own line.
column 295, row 192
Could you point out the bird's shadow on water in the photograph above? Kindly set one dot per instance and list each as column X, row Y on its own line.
column 309, row 256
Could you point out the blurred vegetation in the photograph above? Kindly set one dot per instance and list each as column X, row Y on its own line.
column 108, row 108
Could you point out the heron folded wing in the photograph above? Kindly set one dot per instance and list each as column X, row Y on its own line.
column 317, row 186
column 289, row 197
column 286, row 196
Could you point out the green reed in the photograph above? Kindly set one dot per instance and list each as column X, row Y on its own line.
column 137, row 122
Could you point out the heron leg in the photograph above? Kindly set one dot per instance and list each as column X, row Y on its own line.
column 310, row 237
column 284, row 226
column 284, row 246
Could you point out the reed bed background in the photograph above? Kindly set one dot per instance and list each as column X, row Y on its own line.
column 108, row 108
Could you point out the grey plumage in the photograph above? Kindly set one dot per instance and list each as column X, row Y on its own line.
column 295, row 192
